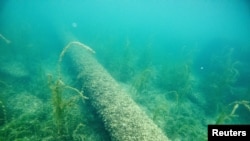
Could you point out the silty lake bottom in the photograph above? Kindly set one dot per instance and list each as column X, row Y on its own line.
column 184, row 64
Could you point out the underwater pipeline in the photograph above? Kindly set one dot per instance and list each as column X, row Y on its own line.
column 122, row 117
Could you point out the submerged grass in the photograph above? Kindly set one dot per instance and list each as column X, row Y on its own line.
column 56, row 122
column 176, row 117
column 229, row 114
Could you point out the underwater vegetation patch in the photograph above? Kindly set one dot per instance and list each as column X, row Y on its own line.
column 229, row 114
column 35, row 115
column 2, row 114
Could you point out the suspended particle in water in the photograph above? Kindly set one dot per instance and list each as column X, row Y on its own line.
column 74, row 24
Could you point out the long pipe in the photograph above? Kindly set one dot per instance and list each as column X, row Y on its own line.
column 122, row 117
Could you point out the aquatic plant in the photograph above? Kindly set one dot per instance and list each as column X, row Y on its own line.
column 185, row 128
column 179, row 121
column 4, row 87
column 141, row 80
column 71, row 44
column 226, row 116
column 3, row 117
column 77, row 133
column 57, row 89
column 59, row 83
column 123, row 64
column 58, row 119
column 55, row 121
column 25, row 118
column 217, row 84
column 176, row 78
column 58, row 108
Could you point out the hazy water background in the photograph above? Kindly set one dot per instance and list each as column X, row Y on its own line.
column 193, row 52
